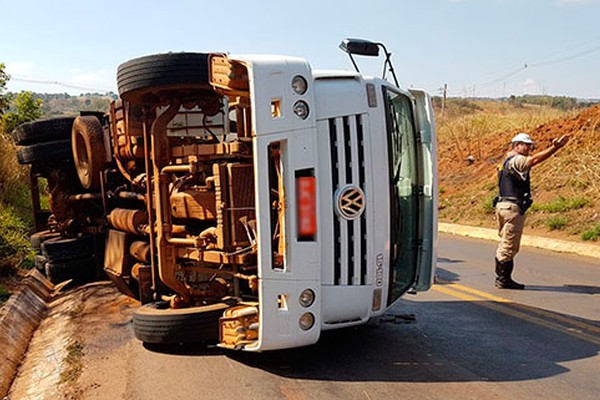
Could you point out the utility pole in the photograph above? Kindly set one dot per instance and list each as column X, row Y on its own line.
column 444, row 101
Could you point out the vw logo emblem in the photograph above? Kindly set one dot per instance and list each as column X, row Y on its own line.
column 349, row 202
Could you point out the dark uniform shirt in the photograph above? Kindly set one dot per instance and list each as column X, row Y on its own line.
column 513, row 177
column 514, row 182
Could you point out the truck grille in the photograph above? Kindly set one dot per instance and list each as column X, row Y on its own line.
column 346, row 140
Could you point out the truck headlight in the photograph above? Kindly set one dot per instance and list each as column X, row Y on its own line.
column 301, row 109
column 307, row 298
column 307, row 320
column 299, row 85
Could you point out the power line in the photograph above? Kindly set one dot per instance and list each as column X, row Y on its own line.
column 58, row 83
column 502, row 78
column 541, row 60
column 525, row 66
column 567, row 49
column 559, row 60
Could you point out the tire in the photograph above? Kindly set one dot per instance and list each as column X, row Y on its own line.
column 40, row 237
column 45, row 130
column 140, row 79
column 60, row 249
column 89, row 153
column 40, row 263
column 153, row 324
column 58, row 151
column 81, row 270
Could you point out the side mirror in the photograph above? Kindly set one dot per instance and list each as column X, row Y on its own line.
column 363, row 47
column 360, row 47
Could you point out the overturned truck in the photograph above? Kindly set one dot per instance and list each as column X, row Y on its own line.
column 244, row 200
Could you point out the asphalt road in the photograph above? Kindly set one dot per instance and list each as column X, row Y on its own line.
column 463, row 339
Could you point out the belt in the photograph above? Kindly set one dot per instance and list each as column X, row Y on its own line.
column 514, row 200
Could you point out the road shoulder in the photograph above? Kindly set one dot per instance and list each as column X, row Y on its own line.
column 558, row 245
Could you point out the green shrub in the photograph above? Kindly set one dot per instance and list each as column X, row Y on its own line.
column 558, row 222
column 488, row 204
column 561, row 204
column 16, row 218
column 592, row 234
column 14, row 234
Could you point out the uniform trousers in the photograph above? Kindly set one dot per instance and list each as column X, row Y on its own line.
column 510, row 230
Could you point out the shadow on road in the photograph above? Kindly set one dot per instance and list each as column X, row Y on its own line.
column 445, row 275
column 449, row 342
column 194, row 349
column 444, row 260
column 581, row 289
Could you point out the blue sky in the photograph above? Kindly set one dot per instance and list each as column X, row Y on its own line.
column 478, row 47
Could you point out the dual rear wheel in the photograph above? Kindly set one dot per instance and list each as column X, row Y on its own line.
column 62, row 142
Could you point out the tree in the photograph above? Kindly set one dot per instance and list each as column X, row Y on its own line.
column 4, row 99
column 26, row 107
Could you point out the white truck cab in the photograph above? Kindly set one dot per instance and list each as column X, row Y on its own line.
column 356, row 171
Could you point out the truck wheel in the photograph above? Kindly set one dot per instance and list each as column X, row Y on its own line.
column 57, row 151
column 45, row 130
column 139, row 80
column 60, row 249
column 82, row 270
column 40, row 237
column 152, row 323
column 89, row 153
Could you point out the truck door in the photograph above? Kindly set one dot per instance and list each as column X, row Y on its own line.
column 404, row 176
column 413, row 190
column 427, row 153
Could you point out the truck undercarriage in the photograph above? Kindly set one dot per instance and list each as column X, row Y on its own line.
column 166, row 180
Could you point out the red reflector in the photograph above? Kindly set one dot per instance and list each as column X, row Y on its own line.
column 306, row 193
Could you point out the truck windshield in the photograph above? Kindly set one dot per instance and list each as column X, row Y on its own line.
column 404, row 196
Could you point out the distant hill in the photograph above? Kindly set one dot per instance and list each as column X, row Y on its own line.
column 55, row 104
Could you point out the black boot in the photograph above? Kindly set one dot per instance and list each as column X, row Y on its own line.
column 503, row 276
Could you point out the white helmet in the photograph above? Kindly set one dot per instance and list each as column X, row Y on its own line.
column 523, row 138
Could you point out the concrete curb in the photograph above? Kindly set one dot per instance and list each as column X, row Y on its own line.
column 19, row 319
column 562, row 246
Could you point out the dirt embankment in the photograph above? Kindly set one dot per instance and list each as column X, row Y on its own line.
column 566, row 188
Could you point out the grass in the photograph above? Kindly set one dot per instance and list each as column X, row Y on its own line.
column 488, row 204
column 15, row 247
column 557, row 223
column 560, row 204
column 16, row 219
column 592, row 234
column 73, row 363
column 467, row 134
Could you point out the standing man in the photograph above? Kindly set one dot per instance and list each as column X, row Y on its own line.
column 514, row 199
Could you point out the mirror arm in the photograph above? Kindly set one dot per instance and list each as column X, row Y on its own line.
column 353, row 62
column 388, row 61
